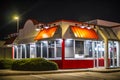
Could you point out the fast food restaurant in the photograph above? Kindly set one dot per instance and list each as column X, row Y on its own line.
column 71, row 44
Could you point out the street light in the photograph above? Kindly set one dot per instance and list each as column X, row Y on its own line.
column 17, row 19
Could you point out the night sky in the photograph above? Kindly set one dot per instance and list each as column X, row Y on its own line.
column 51, row 10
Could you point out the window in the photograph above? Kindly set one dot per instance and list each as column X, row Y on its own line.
column 51, row 48
column 32, row 50
column 38, row 49
column 88, row 51
column 44, row 49
column 28, row 50
column 69, row 50
column 23, row 50
column 79, row 49
column 19, row 51
column 58, row 48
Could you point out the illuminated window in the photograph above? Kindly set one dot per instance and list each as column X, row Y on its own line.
column 58, row 48
column 69, row 52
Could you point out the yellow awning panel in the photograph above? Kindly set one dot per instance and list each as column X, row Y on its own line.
column 84, row 32
column 46, row 33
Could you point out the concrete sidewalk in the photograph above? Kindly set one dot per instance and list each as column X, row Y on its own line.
column 13, row 72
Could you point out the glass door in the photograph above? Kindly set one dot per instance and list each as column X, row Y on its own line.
column 98, row 52
column 114, row 56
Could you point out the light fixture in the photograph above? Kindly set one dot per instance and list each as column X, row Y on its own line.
column 82, row 26
column 88, row 27
column 46, row 26
column 17, row 19
column 39, row 27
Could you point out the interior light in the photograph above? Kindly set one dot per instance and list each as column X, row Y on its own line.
column 46, row 27
column 37, row 29
column 82, row 26
column 88, row 27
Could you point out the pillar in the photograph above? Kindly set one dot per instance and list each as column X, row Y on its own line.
column 106, row 61
column 63, row 52
column 118, row 54
column 13, row 52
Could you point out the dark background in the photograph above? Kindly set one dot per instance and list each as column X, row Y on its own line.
column 51, row 10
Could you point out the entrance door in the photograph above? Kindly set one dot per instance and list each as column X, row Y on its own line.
column 114, row 54
column 98, row 53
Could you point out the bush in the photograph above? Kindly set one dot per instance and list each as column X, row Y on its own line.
column 5, row 63
column 34, row 64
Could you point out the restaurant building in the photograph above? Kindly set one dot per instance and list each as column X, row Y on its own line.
column 70, row 44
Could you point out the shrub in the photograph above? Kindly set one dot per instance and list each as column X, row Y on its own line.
column 5, row 63
column 34, row 64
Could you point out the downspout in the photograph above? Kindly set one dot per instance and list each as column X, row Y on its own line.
column 106, row 47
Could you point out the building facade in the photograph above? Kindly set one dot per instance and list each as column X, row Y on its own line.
column 70, row 44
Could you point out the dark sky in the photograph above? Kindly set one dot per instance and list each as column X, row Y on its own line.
column 51, row 10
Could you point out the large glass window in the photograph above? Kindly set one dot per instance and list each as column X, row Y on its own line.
column 44, row 49
column 79, row 49
column 19, row 51
column 88, row 50
column 51, row 49
column 28, row 50
column 69, row 50
column 58, row 48
column 23, row 50
column 38, row 49
column 32, row 50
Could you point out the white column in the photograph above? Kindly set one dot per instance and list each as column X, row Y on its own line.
column 17, row 52
column 93, row 49
column 74, row 47
column 97, row 57
column 25, row 51
column 113, row 53
column 106, row 54
column 118, row 53
column 47, row 50
column 41, row 50
column 55, row 54
column 20, row 51
column 35, row 50
column 101, row 49
column 30, row 51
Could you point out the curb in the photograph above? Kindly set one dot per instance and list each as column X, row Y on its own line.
column 55, row 71
column 105, row 71
column 41, row 72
